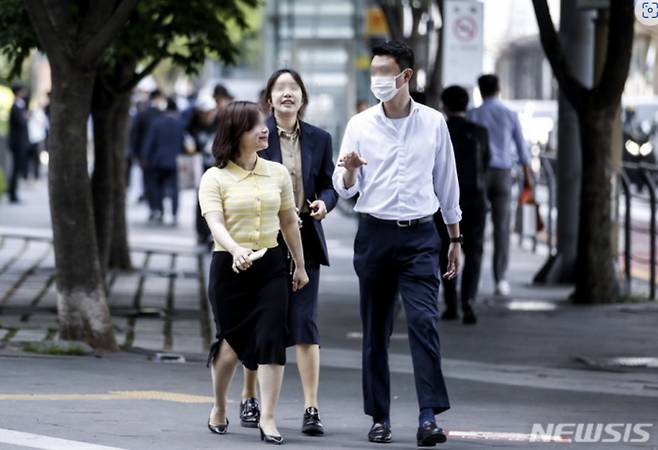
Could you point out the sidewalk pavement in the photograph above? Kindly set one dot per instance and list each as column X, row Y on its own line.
column 532, row 358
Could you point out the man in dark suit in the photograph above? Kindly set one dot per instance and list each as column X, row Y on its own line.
column 141, row 125
column 471, row 146
column 19, row 141
column 163, row 144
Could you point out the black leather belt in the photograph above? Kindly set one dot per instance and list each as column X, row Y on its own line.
column 399, row 223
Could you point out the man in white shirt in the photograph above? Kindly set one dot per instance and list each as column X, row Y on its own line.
column 398, row 156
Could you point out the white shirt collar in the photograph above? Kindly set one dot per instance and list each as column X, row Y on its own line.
column 379, row 110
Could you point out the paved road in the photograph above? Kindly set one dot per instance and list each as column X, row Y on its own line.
column 533, row 358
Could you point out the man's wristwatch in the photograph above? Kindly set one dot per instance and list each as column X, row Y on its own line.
column 457, row 240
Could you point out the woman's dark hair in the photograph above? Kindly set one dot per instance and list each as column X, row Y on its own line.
column 488, row 85
column 455, row 98
column 401, row 52
column 295, row 76
column 237, row 119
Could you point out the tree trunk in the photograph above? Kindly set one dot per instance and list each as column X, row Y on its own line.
column 110, row 113
column 119, row 250
column 595, row 279
column 83, row 313
column 102, row 179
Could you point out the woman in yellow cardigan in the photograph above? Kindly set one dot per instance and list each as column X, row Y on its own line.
column 246, row 200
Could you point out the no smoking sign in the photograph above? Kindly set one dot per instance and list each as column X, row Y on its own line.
column 465, row 28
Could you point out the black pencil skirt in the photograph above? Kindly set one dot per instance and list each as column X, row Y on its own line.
column 250, row 308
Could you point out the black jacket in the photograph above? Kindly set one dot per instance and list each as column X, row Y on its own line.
column 471, row 146
column 19, row 140
column 317, row 168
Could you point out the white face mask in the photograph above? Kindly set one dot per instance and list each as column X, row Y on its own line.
column 383, row 87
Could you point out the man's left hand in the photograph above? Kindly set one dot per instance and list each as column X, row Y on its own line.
column 318, row 209
column 454, row 252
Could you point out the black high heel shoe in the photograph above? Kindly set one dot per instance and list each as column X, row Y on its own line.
column 276, row 440
column 218, row 429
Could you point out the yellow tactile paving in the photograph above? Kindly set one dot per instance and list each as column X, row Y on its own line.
column 112, row 395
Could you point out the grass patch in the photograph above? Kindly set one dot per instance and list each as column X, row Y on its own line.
column 51, row 348
column 11, row 332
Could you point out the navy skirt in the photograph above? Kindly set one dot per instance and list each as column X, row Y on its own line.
column 250, row 308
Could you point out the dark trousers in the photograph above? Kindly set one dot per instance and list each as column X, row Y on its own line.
column 32, row 162
column 472, row 227
column 388, row 259
column 499, row 186
column 17, row 171
column 163, row 183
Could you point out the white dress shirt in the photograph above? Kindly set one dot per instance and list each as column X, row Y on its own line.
column 410, row 172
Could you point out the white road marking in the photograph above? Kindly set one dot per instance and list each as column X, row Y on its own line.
column 508, row 437
column 46, row 442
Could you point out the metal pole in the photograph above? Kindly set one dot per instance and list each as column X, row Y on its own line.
column 626, row 188
column 648, row 179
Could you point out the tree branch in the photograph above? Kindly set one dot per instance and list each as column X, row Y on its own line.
column 618, row 54
column 53, row 41
column 393, row 19
column 95, row 47
column 140, row 75
column 573, row 90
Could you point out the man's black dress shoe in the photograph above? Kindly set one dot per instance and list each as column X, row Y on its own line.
column 269, row 439
column 218, row 429
column 429, row 435
column 311, row 424
column 468, row 317
column 449, row 314
column 380, row 433
column 250, row 413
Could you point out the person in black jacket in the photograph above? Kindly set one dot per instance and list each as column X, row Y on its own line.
column 141, row 124
column 471, row 145
column 163, row 144
column 19, row 141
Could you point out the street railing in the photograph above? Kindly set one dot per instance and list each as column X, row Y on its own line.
column 638, row 216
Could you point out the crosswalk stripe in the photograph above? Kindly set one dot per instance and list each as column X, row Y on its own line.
column 32, row 440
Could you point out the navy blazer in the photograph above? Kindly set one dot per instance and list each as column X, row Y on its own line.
column 317, row 169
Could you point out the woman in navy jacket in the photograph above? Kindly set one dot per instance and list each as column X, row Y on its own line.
column 307, row 153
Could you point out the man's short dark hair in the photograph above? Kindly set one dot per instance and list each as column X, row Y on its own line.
column 400, row 51
column 155, row 93
column 455, row 98
column 17, row 87
column 221, row 91
column 488, row 85
column 171, row 104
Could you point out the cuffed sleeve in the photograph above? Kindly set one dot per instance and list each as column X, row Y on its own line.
column 446, row 185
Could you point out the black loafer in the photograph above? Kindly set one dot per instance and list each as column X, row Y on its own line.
column 218, row 429
column 469, row 317
column 450, row 314
column 380, row 433
column 250, row 413
column 311, row 423
column 429, row 435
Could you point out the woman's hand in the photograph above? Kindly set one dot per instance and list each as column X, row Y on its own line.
column 299, row 279
column 241, row 261
column 318, row 209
